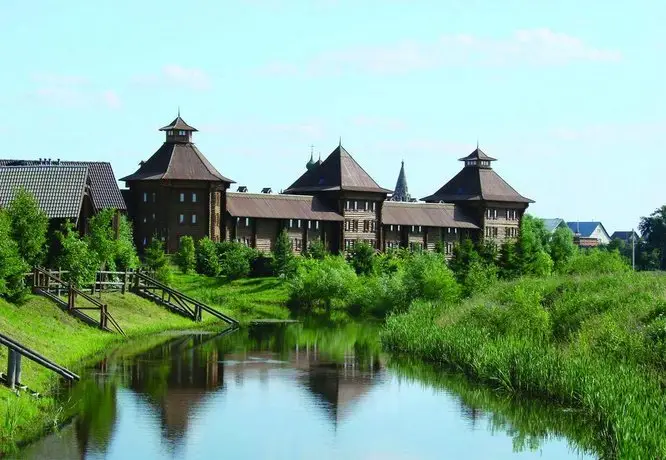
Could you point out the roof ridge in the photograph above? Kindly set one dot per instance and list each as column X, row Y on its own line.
column 173, row 149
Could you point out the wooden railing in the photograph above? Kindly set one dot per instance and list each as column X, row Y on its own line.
column 149, row 287
column 16, row 351
column 48, row 284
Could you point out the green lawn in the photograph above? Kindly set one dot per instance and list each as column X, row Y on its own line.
column 243, row 300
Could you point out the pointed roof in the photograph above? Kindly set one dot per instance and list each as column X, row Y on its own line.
column 477, row 154
column 310, row 164
column 401, row 193
column 338, row 172
column 178, row 124
column 177, row 161
column 475, row 183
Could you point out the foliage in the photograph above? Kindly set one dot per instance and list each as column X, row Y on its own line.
column 112, row 253
column 326, row 283
column 392, row 261
column 29, row 225
column 235, row 259
column 185, row 258
column 156, row 260
column 488, row 252
column 597, row 260
column 532, row 247
column 509, row 265
column 427, row 277
column 362, row 258
column 282, row 252
column 653, row 231
column 76, row 257
column 479, row 278
column 207, row 260
column 316, row 250
column 12, row 266
column 464, row 255
column 562, row 247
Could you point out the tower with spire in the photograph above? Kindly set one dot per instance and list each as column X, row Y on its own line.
column 401, row 192
column 176, row 192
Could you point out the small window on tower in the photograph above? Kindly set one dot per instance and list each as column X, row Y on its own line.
column 182, row 197
column 181, row 219
column 194, row 218
column 181, row 133
column 194, row 197
column 145, row 197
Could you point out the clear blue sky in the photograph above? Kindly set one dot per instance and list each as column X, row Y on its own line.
column 568, row 95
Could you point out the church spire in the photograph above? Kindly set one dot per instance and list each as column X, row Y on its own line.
column 401, row 193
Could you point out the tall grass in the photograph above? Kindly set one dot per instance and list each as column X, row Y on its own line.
column 591, row 342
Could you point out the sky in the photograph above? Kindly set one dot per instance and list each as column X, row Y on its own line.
column 568, row 96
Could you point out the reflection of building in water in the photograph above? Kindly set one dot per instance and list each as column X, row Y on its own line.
column 177, row 378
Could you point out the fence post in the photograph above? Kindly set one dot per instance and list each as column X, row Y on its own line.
column 11, row 368
column 17, row 368
column 58, row 284
column 70, row 297
column 102, row 316
column 123, row 289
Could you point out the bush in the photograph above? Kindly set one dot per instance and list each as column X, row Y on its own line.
column 12, row 266
column 326, row 283
column 479, row 278
column 262, row 265
column 207, row 261
column 29, row 225
column 596, row 261
column 282, row 253
column 185, row 258
column 316, row 250
column 427, row 277
column 112, row 253
column 362, row 258
column 235, row 259
column 76, row 257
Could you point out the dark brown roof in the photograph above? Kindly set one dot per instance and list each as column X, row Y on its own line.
column 425, row 214
column 178, row 124
column 478, row 154
column 281, row 206
column 177, row 161
column 338, row 172
column 475, row 184
column 104, row 188
column 59, row 189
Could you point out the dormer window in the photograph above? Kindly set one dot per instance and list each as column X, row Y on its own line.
column 181, row 133
column 169, row 133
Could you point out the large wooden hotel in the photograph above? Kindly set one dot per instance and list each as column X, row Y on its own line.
column 178, row 192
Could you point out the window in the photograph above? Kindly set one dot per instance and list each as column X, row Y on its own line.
column 145, row 241
column 194, row 218
column 348, row 206
column 366, row 226
column 495, row 232
column 181, row 218
column 182, row 197
column 317, row 225
column 448, row 249
column 154, row 197
column 349, row 244
column 181, row 133
column 145, row 197
column 374, row 206
column 356, row 225
column 365, row 205
column 169, row 133
column 145, row 219
column 153, row 217
column 299, row 223
column 247, row 221
column 194, row 197
column 355, row 205
column 494, row 213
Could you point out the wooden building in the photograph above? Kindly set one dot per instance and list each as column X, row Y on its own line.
column 589, row 234
column 176, row 192
column 485, row 197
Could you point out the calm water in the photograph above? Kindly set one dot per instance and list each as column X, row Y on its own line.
column 294, row 392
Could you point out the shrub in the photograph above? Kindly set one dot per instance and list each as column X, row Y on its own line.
column 326, row 283
column 596, row 261
column 464, row 255
column 29, row 225
column 427, row 277
column 316, row 250
column 112, row 253
column 362, row 258
column 156, row 260
column 479, row 278
column 185, row 258
column 282, row 252
column 562, row 247
column 12, row 266
column 235, row 259
column 392, row 261
column 262, row 265
column 508, row 261
column 207, row 261
column 76, row 257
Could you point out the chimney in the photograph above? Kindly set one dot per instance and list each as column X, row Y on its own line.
column 242, row 189
column 266, row 190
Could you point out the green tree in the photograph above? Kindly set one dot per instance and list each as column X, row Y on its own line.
column 480, row 277
column 362, row 258
column 156, row 260
column 207, row 259
column 12, row 266
column 185, row 258
column 531, row 246
column 235, row 259
column 316, row 250
column 653, row 231
column 464, row 254
column 113, row 251
column 562, row 247
column 29, row 226
column 76, row 257
column 282, row 252
column 508, row 261
column 488, row 252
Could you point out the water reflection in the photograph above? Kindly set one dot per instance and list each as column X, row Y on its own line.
column 286, row 391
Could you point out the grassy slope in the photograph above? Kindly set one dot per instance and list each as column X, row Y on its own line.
column 593, row 342
column 42, row 326
column 244, row 299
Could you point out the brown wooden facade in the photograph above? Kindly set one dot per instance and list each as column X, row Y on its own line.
column 178, row 192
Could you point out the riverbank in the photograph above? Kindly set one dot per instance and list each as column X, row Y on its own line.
column 595, row 343
column 41, row 325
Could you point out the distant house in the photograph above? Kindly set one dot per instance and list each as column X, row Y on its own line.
column 553, row 224
column 65, row 190
column 625, row 236
column 589, row 234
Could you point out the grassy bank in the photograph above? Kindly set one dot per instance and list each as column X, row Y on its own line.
column 39, row 324
column 243, row 299
column 596, row 343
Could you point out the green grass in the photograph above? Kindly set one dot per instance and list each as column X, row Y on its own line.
column 595, row 343
column 243, row 300
column 39, row 324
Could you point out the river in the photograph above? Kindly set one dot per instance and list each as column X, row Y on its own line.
column 289, row 391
